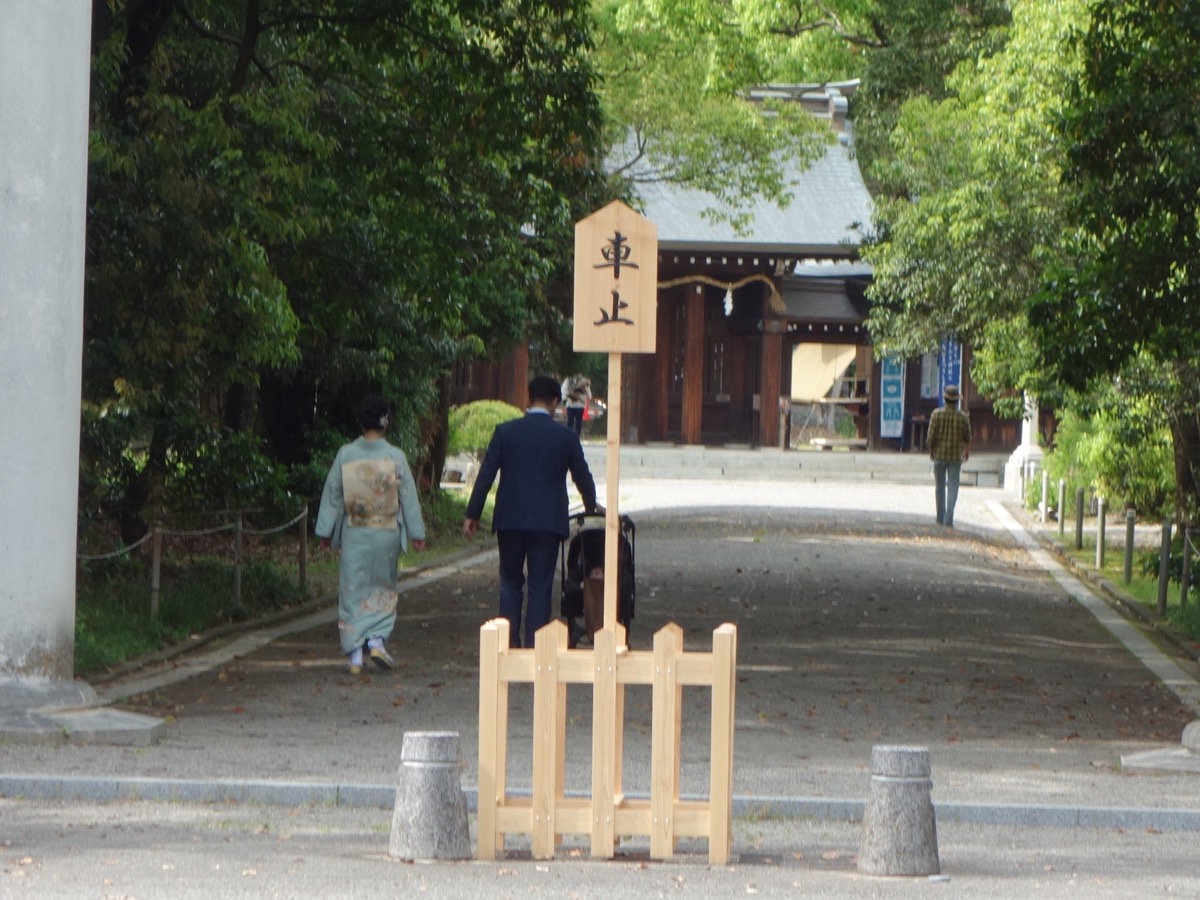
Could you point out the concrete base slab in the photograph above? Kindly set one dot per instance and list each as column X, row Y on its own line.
column 1178, row 759
column 95, row 725
column 19, row 694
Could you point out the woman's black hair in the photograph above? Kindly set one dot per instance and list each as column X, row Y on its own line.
column 373, row 413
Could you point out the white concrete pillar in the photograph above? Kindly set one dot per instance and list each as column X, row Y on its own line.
column 44, row 69
column 1029, row 424
column 1018, row 467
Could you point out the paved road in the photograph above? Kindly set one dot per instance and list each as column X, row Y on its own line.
column 860, row 623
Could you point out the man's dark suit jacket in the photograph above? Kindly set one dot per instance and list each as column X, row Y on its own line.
column 533, row 455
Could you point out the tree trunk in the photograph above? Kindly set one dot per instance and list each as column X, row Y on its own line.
column 140, row 489
column 1185, row 435
column 237, row 408
column 439, row 438
column 286, row 410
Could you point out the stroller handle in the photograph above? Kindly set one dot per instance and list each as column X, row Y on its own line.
column 579, row 518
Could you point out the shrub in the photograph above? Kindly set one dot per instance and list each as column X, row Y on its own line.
column 222, row 469
column 1119, row 447
column 472, row 424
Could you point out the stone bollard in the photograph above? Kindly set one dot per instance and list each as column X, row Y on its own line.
column 430, row 818
column 899, row 828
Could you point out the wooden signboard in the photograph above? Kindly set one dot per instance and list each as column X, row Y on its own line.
column 616, row 285
column 616, row 281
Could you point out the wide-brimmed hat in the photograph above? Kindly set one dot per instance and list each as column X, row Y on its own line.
column 951, row 393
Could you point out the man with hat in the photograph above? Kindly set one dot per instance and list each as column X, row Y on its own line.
column 949, row 448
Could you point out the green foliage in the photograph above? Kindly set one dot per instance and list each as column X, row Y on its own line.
column 222, row 469
column 674, row 77
column 443, row 512
column 472, row 424
column 844, row 426
column 972, row 208
column 1119, row 446
column 291, row 205
column 675, row 73
column 1070, row 461
column 1130, row 279
column 1151, row 561
column 1186, row 620
column 112, row 621
column 1126, row 283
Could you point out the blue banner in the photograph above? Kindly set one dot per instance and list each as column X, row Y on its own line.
column 949, row 367
column 891, row 394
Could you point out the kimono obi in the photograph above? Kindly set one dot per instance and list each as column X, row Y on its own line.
column 371, row 492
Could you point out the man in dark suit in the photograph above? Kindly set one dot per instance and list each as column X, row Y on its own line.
column 532, row 455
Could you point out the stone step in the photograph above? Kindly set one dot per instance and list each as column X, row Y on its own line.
column 707, row 463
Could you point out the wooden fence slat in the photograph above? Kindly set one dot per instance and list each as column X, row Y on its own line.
column 664, row 741
column 604, row 726
column 549, row 697
column 622, row 653
column 720, row 796
column 492, row 740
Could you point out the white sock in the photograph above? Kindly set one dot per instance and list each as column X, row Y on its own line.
column 356, row 657
column 375, row 643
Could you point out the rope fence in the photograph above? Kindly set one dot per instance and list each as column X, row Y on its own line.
column 237, row 526
column 1187, row 535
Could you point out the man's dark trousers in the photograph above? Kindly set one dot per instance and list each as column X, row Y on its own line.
column 535, row 552
column 533, row 456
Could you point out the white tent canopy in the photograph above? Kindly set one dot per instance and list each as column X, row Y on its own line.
column 816, row 369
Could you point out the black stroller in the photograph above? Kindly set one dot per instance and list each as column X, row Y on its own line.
column 583, row 572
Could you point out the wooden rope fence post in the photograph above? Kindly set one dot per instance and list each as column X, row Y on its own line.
column 237, row 560
column 1164, row 567
column 155, row 570
column 1100, row 540
column 1062, row 508
column 1185, row 577
column 302, row 562
column 1044, row 506
column 1079, row 518
column 1130, row 534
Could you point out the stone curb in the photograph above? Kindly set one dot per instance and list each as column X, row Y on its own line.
column 1130, row 605
column 369, row 796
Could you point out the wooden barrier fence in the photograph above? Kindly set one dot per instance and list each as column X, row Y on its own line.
column 608, row 666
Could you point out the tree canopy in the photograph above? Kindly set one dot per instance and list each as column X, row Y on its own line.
column 963, row 242
column 1126, row 289
column 293, row 201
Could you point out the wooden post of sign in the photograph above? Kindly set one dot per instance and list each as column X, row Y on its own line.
column 615, row 312
column 608, row 697
column 612, row 519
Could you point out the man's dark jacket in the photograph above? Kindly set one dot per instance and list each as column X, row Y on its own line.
column 532, row 455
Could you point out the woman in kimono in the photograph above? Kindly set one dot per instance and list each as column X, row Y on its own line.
column 369, row 510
